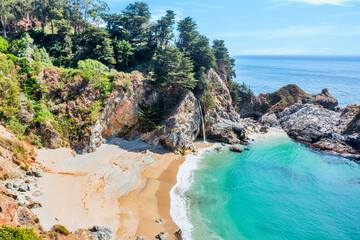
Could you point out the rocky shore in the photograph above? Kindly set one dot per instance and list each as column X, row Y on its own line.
column 315, row 120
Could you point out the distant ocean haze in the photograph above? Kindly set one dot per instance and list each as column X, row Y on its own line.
column 265, row 74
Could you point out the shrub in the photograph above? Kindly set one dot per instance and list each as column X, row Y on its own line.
column 150, row 116
column 90, row 65
column 18, row 233
column 207, row 101
column 60, row 229
column 4, row 45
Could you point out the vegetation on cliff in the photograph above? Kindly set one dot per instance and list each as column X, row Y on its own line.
column 58, row 67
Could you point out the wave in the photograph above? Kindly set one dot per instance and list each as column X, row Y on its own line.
column 180, row 203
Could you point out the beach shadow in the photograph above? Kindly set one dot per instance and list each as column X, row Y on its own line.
column 136, row 146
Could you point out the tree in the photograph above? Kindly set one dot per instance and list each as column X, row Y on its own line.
column 6, row 14
column 224, row 62
column 135, row 19
column 123, row 52
column 201, row 54
column 188, row 33
column 173, row 68
column 41, row 10
column 9, row 88
column 164, row 28
column 105, row 52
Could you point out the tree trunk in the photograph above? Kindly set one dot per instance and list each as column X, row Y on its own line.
column 4, row 22
column 52, row 27
column 4, row 34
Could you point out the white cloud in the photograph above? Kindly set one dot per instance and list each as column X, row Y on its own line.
column 321, row 2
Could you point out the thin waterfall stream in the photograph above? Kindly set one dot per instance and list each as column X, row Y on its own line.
column 202, row 120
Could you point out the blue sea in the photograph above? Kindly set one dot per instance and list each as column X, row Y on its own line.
column 265, row 74
column 278, row 189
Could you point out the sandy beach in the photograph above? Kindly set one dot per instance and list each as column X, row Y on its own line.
column 124, row 185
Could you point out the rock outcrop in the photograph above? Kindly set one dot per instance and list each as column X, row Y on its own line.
column 222, row 122
column 284, row 97
column 315, row 120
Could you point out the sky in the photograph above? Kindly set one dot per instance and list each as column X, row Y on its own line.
column 270, row 27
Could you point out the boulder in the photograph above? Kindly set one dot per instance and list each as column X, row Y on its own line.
column 161, row 236
column 235, row 149
column 101, row 232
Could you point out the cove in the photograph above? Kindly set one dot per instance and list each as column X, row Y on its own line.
column 279, row 189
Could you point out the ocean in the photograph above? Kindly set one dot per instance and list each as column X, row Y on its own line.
column 278, row 189
column 266, row 74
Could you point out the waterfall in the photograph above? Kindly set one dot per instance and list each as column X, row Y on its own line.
column 202, row 120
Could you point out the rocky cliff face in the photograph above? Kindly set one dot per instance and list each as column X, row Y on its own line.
column 222, row 122
column 181, row 122
column 312, row 119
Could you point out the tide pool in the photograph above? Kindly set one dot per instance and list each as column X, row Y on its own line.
column 279, row 189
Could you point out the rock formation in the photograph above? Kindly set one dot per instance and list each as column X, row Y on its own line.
column 315, row 120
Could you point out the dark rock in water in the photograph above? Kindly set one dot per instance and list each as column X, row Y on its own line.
column 246, row 149
column 161, row 236
column 178, row 235
column 223, row 144
column 235, row 149
column 101, row 232
column 217, row 149
column 244, row 142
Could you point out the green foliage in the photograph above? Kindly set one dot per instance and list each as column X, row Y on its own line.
column 201, row 54
column 105, row 52
column 240, row 92
column 173, row 68
column 105, row 86
column 33, row 88
column 90, row 65
column 163, row 29
column 4, row 45
column 9, row 88
column 207, row 101
column 124, row 51
column 45, row 58
column 224, row 62
column 188, row 33
column 26, row 46
column 18, row 233
column 60, row 229
column 150, row 116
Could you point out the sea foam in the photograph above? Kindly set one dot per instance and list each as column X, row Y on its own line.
column 180, row 203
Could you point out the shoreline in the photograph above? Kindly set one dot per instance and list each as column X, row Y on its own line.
column 125, row 185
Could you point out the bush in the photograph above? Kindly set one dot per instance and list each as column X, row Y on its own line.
column 150, row 116
column 90, row 65
column 61, row 229
column 18, row 233
column 4, row 45
column 207, row 101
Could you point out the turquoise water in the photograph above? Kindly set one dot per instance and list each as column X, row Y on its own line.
column 265, row 74
column 277, row 190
